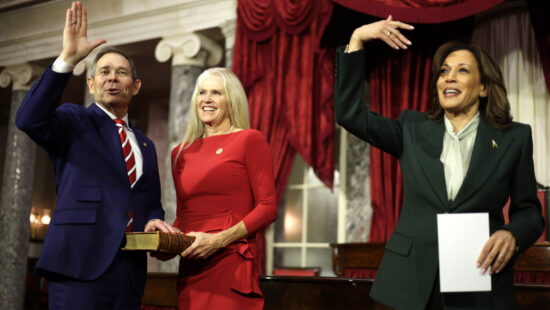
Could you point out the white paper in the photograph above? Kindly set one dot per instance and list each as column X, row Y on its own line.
column 461, row 238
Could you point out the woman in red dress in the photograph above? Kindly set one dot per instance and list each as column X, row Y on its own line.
column 223, row 175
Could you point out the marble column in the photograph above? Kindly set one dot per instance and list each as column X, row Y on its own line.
column 359, row 206
column 229, row 30
column 190, row 53
column 16, row 195
column 85, row 66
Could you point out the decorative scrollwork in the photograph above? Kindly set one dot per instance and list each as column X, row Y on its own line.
column 190, row 48
column 21, row 75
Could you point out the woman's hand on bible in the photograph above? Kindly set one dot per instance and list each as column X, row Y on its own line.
column 497, row 252
column 205, row 244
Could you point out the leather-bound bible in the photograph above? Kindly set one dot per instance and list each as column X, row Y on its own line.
column 157, row 241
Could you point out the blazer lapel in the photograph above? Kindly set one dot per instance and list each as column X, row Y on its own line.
column 489, row 147
column 428, row 145
column 109, row 134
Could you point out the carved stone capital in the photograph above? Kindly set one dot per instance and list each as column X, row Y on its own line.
column 229, row 30
column 190, row 49
column 22, row 76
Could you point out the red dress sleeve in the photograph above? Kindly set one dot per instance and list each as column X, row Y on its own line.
column 175, row 153
column 259, row 165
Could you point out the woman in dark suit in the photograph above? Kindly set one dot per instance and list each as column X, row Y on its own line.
column 467, row 155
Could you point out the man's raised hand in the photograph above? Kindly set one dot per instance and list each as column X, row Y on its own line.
column 75, row 39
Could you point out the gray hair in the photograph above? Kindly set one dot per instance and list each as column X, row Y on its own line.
column 108, row 50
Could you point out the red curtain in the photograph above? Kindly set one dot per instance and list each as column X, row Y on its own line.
column 420, row 11
column 538, row 11
column 400, row 80
column 289, row 81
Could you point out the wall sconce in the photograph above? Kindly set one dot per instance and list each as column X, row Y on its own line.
column 39, row 221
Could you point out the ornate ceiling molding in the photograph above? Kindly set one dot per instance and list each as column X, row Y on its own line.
column 119, row 22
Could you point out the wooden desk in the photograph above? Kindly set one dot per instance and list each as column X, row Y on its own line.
column 324, row 293
column 535, row 259
column 352, row 257
column 281, row 292
column 317, row 293
column 368, row 255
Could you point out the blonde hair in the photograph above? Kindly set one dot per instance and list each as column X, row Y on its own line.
column 237, row 105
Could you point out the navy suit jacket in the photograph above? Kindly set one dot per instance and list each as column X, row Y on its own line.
column 409, row 269
column 93, row 191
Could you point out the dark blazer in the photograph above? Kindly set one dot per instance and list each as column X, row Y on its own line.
column 410, row 266
column 93, row 191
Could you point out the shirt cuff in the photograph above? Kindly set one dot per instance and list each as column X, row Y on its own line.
column 61, row 66
column 349, row 50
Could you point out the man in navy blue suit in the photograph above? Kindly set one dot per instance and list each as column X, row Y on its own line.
column 101, row 194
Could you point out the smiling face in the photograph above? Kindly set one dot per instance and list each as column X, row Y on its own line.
column 459, row 84
column 212, row 102
column 112, row 84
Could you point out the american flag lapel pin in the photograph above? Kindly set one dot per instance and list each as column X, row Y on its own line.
column 494, row 144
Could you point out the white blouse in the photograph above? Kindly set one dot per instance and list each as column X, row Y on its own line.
column 457, row 153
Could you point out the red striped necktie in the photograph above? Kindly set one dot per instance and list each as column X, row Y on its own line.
column 130, row 160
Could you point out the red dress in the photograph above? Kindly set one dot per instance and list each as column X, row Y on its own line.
column 219, row 181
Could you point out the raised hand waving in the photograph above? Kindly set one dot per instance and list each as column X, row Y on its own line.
column 75, row 38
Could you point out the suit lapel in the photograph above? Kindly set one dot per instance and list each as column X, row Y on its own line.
column 107, row 131
column 489, row 147
column 428, row 145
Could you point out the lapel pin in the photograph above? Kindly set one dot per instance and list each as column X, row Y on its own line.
column 494, row 144
column 219, row 151
column 145, row 144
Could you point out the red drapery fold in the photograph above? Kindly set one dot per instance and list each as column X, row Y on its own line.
column 420, row 11
column 538, row 11
column 400, row 80
column 289, row 80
